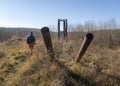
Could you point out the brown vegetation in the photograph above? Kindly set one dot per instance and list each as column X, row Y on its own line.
column 99, row 66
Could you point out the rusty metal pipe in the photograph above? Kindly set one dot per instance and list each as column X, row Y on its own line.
column 47, row 40
column 87, row 40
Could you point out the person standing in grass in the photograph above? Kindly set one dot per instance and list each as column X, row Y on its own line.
column 31, row 42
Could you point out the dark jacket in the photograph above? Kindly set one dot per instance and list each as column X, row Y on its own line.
column 31, row 39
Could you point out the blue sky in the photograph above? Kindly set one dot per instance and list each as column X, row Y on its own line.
column 38, row 13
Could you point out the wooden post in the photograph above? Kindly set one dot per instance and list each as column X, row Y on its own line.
column 47, row 40
column 87, row 40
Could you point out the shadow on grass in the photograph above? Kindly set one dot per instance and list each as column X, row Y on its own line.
column 79, row 80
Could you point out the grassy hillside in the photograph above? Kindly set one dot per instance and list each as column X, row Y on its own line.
column 8, row 33
column 99, row 66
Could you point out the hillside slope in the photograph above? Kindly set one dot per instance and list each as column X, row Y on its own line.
column 98, row 67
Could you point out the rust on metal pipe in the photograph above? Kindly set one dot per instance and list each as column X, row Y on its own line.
column 47, row 40
column 87, row 40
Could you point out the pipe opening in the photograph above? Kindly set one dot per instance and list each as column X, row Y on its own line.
column 89, row 35
column 45, row 30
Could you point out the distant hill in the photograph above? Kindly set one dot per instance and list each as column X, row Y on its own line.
column 106, row 37
column 7, row 33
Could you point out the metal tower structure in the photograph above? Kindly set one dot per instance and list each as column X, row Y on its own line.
column 65, row 25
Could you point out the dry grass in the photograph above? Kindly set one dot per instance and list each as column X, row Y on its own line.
column 99, row 66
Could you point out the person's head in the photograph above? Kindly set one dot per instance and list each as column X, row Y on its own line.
column 31, row 33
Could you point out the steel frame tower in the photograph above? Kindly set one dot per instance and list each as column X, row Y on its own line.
column 65, row 25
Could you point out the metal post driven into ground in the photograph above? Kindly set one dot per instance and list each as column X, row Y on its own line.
column 87, row 40
column 66, row 26
column 58, row 29
column 47, row 40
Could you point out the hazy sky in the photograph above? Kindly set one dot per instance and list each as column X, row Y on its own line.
column 38, row 13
